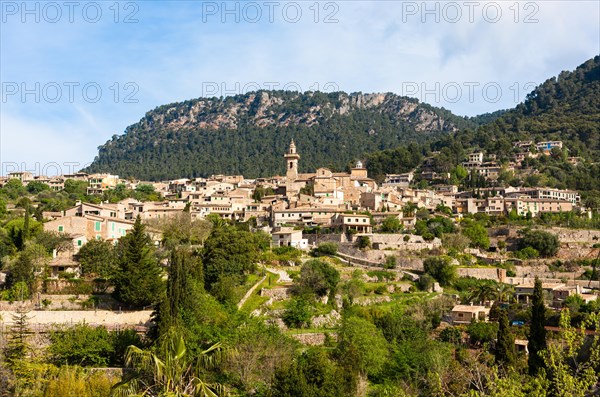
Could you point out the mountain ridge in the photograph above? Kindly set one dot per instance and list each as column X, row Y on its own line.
column 248, row 133
column 333, row 129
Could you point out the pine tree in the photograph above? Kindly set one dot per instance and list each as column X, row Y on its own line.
column 537, row 332
column 505, row 345
column 16, row 347
column 138, row 281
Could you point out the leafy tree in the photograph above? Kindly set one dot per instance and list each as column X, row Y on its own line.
column 451, row 335
column 537, row 332
column 316, row 278
column 455, row 241
column 13, row 189
column 260, row 350
column 327, row 249
column 527, row 253
column 76, row 189
column 138, row 279
column 231, row 252
column 391, row 224
column 425, row 282
column 86, row 346
column 21, row 229
column 146, row 192
column 97, row 257
column 181, row 229
column 390, row 262
column 409, row 209
column 51, row 241
column 482, row 332
column 26, row 264
column 547, row 244
column 2, row 206
column 260, row 192
column 505, row 346
column 361, row 346
column 313, row 374
column 477, row 234
column 422, row 213
column 571, row 364
column 35, row 187
column 363, row 242
column 81, row 345
column 441, row 269
column 297, row 313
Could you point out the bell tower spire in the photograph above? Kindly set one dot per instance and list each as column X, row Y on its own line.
column 291, row 159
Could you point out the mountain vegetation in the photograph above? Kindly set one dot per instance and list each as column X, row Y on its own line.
column 564, row 108
column 247, row 134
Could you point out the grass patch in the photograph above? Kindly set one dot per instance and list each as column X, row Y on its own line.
column 255, row 300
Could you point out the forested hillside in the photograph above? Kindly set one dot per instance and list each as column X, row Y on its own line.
column 248, row 134
column 565, row 108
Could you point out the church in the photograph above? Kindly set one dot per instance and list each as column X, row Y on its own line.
column 333, row 188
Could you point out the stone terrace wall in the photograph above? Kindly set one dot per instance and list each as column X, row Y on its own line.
column 490, row 273
column 576, row 235
column 91, row 317
column 276, row 293
column 396, row 241
column 531, row 280
column 377, row 257
column 315, row 339
column 543, row 272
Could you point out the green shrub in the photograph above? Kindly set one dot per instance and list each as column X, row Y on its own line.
column 390, row 262
column 451, row 335
column 297, row 313
column 546, row 244
column 363, row 242
column 440, row 268
column 527, row 253
column 84, row 345
column 481, row 332
column 327, row 249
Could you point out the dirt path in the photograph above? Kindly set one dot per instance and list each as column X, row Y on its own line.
column 284, row 277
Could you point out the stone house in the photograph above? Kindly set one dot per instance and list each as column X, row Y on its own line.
column 464, row 314
column 288, row 237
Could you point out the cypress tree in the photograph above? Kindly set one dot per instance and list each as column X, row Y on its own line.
column 138, row 280
column 179, row 306
column 505, row 345
column 22, row 235
column 537, row 332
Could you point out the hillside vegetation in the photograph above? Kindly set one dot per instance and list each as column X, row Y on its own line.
column 247, row 134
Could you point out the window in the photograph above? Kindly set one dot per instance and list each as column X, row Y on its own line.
column 61, row 228
column 97, row 226
column 79, row 243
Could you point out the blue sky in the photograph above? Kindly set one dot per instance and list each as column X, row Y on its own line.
column 74, row 74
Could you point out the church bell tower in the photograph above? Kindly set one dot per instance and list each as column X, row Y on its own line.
column 291, row 160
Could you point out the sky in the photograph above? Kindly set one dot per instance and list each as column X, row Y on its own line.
column 75, row 73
